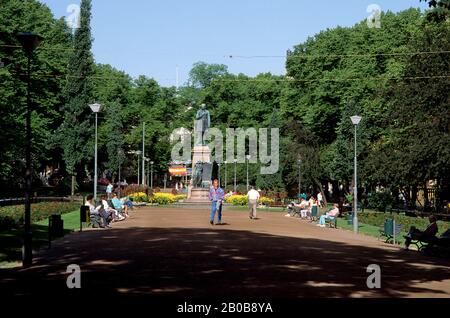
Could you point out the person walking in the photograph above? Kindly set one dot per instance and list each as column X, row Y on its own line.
column 216, row 196
column 320, row 199
column 253, row 197
column 109, row 190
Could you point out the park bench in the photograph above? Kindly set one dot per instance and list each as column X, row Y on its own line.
column 439, row 247
column 424, row 244
column 93, row 220
column 331, row 222
column 390, row 230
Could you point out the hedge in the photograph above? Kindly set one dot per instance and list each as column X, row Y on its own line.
column 241, row 200
column 378, row 218
column 13, row 216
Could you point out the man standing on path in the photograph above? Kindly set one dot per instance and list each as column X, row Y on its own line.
column 216, row 195
column 109, row 190
column 253, row 197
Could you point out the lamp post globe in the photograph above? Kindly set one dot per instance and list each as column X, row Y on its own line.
column 355, row 121
column 95, row 109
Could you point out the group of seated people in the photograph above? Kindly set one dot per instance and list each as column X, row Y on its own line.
column 108, row 211
column 305, row 207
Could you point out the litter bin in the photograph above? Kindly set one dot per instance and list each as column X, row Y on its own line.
column 56, row 226
column 350, row 219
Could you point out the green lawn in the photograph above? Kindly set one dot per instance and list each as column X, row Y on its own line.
column 367, row 229
column 11, row 240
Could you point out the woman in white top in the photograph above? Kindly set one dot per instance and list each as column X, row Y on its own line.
column 115, row 213
column 97, row 211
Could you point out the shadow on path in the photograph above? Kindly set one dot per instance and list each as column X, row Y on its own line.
column 218, row 262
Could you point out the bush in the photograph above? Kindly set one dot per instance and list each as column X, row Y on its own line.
column 138, row 197
column 163, row 198
column 237, row 199
column 266, row 201
column 13, row 216
column 379, row 200
column 134, row 188
column 180, row 197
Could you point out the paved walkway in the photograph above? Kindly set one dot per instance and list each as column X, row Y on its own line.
column 174, row 252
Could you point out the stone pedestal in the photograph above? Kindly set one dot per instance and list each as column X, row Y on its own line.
column 201, row 153
column 199, row 195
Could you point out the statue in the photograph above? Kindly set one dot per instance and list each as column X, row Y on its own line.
column 202, row 124
column 198, row 177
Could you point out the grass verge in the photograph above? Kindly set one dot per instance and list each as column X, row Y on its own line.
column 11, row 240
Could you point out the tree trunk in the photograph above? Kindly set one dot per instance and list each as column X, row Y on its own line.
column 72, row 191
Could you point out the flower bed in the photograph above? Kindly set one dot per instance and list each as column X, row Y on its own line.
column 242, row 200
column 157, row 198
column 13, row 216
column 138, row 197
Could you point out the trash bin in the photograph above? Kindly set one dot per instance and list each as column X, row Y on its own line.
column 350, row 219
column 56, row 226
column 84, row 214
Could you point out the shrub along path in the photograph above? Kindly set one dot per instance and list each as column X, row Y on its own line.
column 171, row 252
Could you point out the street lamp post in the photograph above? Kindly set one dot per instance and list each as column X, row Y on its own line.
column 138, row 153
column 235, row 161
column 95, row 109
column 143, row 155
column 151, row 174
column 355, row 120
column 247, row 159
column 226, row 175
column 29, row 42
column 120, row 154
column 218, row 165
column 299, row 161
column 147, row 182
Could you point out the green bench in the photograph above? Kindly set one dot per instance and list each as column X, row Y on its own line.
column 331, row 222
column 390, row 230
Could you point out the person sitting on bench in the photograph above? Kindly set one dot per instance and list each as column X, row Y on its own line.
column 118, row 205
column 333, row 213
column 106, row 216
column 116, row 215
column 301, row 206
column 424, row 236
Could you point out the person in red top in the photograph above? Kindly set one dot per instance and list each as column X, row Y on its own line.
column 425, row 236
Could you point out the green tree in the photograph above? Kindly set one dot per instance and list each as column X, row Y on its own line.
column 440, row 10
column 202, row 74
column 19, row 16
column 75, row 133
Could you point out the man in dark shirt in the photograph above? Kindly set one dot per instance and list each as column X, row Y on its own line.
column 425, row 236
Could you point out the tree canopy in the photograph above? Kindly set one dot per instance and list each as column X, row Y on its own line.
column 396, row 77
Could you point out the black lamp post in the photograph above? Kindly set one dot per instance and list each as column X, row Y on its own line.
column 29, row 42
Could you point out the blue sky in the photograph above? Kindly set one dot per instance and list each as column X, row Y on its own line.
column 153, row 38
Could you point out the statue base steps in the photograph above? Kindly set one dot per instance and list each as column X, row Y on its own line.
column 198, row 195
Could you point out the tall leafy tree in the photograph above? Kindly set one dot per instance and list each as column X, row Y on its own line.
column 20, row 16
column 75, row 133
